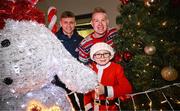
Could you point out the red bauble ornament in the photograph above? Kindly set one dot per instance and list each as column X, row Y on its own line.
column 117, row 57
column 124, row 2
column 127, row 56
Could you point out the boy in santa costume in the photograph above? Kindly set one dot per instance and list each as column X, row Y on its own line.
column 112, row 82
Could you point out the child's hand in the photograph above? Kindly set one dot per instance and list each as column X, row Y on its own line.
column 99, row 89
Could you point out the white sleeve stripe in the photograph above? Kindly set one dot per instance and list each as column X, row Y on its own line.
column 88, row 106
column 110, row 91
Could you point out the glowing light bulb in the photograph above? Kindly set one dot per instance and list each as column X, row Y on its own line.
column 164, row 23
column 138, row 23
column 150, row 104
column 147, row 64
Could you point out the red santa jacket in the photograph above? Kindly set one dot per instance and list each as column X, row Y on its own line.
column 112, row 76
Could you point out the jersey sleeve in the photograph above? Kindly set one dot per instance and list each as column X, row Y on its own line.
column 84, row 50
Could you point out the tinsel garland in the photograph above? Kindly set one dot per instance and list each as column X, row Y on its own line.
column 19, row 10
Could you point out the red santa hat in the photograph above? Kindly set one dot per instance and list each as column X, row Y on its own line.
column 101, row 46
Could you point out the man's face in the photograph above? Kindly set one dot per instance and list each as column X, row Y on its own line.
column 68, row 25
column 100, row 23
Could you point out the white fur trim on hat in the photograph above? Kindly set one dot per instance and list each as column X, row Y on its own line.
column 101, row 46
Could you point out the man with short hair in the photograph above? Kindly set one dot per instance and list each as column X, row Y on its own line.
column 70, row 38
column 67, row 34
column 102, row 33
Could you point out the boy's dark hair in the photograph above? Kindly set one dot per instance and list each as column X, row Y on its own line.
column 67, row 14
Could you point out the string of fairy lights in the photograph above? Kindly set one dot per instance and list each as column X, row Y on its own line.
column 150, row 100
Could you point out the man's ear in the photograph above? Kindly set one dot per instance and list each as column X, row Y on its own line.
column 75, row 23
column 91, row 23
column 108, row 22
column 60, row 23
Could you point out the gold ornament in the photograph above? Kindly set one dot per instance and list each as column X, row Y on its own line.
column 150, row 49
column 169, row 73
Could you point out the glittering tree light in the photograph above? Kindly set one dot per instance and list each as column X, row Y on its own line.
column 150, row 32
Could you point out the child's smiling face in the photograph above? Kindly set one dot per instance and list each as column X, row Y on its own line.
column 102, row 57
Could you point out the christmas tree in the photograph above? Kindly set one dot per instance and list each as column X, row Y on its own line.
column 149, row 45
